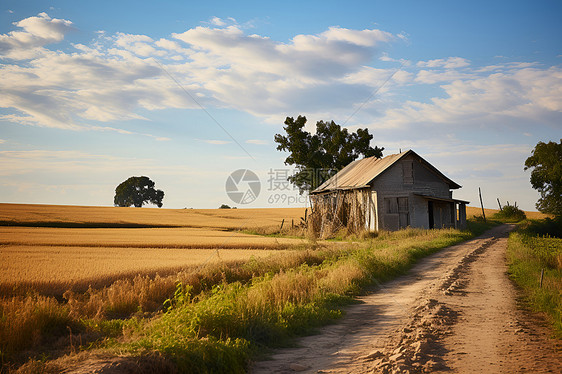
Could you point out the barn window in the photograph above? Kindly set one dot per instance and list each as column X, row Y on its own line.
column 408, row 171
column 391, row 205
column 403, row 204
column 397, row 214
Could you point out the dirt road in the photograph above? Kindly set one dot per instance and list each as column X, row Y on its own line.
column 455, row 312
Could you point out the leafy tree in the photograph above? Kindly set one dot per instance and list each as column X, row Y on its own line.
column 137, row 191
column 224, row 206
column 546, row 177
column 331, row 148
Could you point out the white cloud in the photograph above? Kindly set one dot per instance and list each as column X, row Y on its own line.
column 402, row 76
column 168, row 44
column 114, row 76
column 257, row 141
column 217, row 21
column 501, row 98
column 37, row 32
column 433, row 76
column 141, row 45
column 327, row 55
column 327, row 75
column 449, row 63
column 215, row 142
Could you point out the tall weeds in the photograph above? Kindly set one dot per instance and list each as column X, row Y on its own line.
column 530, row 255
column 26, row 323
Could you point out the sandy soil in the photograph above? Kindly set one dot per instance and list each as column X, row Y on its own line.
column 454, row 312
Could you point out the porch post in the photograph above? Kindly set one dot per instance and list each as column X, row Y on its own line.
column 462, row 215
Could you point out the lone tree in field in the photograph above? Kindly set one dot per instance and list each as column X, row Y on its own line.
column 137, row 191
column 546, row 177
column 331, row 148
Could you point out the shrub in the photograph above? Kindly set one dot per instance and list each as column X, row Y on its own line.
column 510, row 213
column 546, row 227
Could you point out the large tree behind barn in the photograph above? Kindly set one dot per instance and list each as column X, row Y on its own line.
column 387, row 193
column 316, row 155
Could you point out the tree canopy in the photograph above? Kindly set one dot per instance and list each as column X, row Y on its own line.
column 137, row 191
column 330, row 148
column 546, row 177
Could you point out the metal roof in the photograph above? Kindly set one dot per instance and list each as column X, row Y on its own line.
column 360, row 173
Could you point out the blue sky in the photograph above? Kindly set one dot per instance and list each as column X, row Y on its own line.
column 95, row 92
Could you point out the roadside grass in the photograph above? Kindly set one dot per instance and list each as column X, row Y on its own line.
column 215, row 319
column 237, row 320
column 531, row 250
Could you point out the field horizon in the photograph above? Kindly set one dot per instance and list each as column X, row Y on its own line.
column 38, row 213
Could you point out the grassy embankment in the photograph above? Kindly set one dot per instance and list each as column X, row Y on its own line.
column 535, row 248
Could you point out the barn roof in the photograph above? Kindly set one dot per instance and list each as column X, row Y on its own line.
column 360, row 173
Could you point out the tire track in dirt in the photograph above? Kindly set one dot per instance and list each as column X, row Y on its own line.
column 429, row 320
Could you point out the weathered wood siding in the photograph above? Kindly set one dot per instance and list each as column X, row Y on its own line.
column 400, row 182
column 404, row 192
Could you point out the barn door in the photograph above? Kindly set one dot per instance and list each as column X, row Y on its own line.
column 430, row 211
column 404, row 212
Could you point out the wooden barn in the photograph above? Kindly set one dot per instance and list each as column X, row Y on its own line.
column 387, row 193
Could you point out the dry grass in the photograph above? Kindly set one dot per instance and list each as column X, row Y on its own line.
column 30, row 322
column 54, row 268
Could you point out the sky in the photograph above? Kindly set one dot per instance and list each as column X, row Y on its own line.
column 187, row 93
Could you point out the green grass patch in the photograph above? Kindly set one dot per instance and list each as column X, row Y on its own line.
column 530, row 254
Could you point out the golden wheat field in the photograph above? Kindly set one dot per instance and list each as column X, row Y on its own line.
column 57, row 246
column 233, row 219
column 169, row 240
column 178, row 238
column 65, row 265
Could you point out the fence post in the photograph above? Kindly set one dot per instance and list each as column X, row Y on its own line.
column 482, row 205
